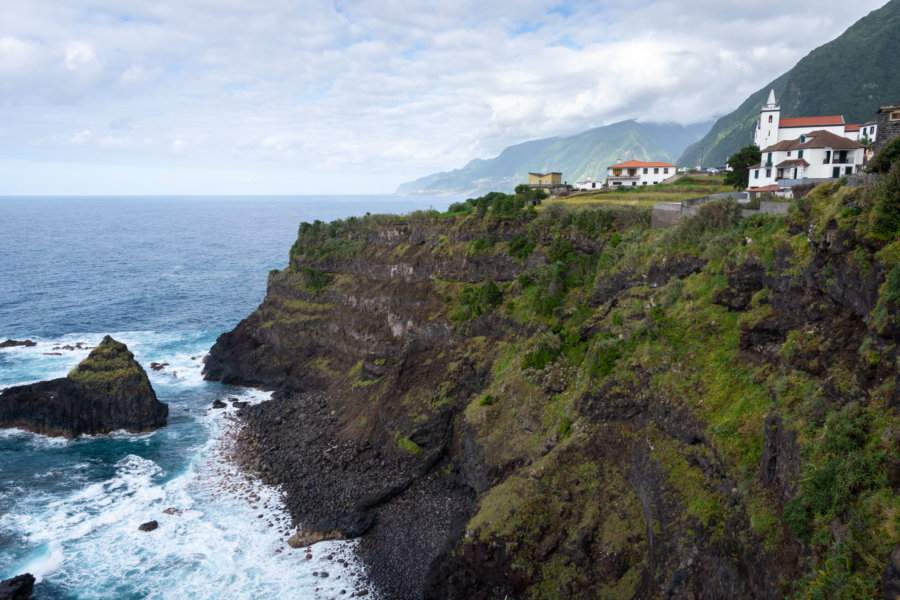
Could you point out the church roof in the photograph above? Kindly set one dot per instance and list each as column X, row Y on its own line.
column 811, row 121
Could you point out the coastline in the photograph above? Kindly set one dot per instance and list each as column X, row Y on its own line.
column 333, row 484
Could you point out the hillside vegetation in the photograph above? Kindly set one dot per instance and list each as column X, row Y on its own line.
column 708, row 411
column 585, row 154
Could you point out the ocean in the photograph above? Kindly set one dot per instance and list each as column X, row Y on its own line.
column 166, row 276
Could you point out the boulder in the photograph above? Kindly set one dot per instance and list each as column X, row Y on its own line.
column 107, row 391
column 219, row 404
column 17, row 588
column 12, row 343
column 148, row 526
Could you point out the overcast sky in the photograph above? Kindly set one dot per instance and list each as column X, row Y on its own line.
column 283, row 96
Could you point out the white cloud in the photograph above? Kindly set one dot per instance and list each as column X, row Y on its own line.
column 382, row 92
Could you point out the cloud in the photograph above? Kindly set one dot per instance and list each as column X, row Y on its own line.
column 351, row 94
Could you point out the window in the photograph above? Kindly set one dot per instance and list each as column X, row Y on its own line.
column 644, row 183
column 799, row 153
column 656, row 171
column 768, row 172
column 789, row 152
column 634, row 183
column 827, row 157
column 895, row 116
column 756, row 174
column 848, row 170
column 666, row 170
column 645, row 170
column 770, row 118
column 802, row 139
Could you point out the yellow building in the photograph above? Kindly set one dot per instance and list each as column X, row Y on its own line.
column 544, row 179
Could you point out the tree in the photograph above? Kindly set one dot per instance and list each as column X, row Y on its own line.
column 739, row 176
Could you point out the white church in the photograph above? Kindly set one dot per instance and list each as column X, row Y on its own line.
column 803, row 148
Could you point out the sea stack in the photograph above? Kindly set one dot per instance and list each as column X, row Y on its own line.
column 107, row 391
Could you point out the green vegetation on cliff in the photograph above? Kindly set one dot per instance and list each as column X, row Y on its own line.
column 709, row 410
column 109, row 366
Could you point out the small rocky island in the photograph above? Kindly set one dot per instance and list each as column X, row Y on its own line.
column 107, row 391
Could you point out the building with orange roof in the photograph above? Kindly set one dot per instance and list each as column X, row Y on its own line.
column 816, row 155
column 772, row 128
column 638, row 172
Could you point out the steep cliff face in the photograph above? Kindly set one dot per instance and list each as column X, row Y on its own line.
column 107, row 391
column 603, row 410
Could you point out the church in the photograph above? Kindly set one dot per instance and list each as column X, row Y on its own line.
column 771, row 128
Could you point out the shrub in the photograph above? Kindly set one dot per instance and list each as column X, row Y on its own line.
column 892, row 285
column 486, row 400
column 886, row 222
column 314, row 280
column 885, row 158
column 476, row 300
column 548, row 347
column 520, row 247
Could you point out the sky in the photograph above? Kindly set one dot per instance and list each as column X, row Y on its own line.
column 317, row 97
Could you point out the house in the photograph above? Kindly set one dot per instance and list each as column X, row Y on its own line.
column 636, row 172
column 771, row 128
column 887, row 126
column 816, row 155
column 544, row 179
column 867, row 131
column 586, row 183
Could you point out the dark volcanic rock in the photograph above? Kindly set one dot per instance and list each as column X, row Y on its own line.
column 109, row 390
column 218, row 404
column 17, row 588
column 148, row 526
column 11, row 343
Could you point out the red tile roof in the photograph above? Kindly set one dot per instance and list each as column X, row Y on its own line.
column 852, row 127
column 767, row 188
column 811, row 121
column 792, row 163
column 631, row 164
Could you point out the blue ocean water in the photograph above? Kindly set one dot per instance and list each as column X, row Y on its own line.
column 166, row 276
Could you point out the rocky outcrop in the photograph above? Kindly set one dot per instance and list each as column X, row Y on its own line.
column 14, row 343
column 107, row 391
column 17, row 588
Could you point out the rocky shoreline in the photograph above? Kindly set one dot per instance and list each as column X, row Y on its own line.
column 339, row 488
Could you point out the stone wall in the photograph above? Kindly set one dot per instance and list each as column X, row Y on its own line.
column 665, row 215
column 887, row 129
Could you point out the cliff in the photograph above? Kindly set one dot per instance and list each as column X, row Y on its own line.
column 563, row 403
column 107, row 391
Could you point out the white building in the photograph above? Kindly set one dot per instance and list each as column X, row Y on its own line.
column 867, row 131
column 586, row 183
column 771, row 128
column 818, row 154
column 637, row 172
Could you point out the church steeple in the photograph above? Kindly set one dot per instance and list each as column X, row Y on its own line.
column 766, row 132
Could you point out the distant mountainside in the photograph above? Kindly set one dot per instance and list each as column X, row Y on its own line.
column 852, row 76
column 587, row 153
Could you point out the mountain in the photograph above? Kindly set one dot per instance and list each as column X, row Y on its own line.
column 587, row 153
column 852, row 76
